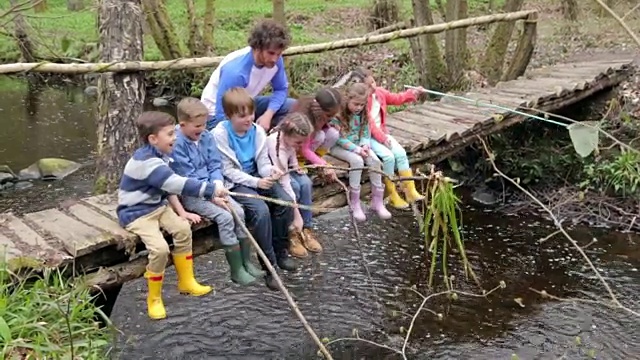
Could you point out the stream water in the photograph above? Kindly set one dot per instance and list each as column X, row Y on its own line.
column 333, row 289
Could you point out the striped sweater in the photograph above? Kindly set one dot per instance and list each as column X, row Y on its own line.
column 148, row 180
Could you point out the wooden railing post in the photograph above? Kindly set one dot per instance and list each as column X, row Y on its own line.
column 524, row 50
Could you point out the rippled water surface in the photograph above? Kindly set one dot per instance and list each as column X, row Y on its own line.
column 332, row 291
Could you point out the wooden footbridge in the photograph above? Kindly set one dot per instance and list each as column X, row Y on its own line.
column 85, row 233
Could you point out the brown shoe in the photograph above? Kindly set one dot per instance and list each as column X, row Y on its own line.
column 295, row 247
column 310, row 242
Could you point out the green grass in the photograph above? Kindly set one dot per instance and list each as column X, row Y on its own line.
column 49, row 318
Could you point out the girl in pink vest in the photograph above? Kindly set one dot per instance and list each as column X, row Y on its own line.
column 390, row 152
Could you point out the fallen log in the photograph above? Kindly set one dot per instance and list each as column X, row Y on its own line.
column 202, row 62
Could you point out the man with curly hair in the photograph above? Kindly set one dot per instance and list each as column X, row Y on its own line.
column 253, row 68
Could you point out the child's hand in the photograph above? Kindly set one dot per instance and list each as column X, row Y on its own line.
column 265, row 183
column 330, row 175
column 417, row 91
column 276, row 173
column 191, row 217
column 301, row 171
column 221, row 192
column 363, row 152
column 388, row 143
column 220, row 201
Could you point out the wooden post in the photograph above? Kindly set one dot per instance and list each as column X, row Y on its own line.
column 524, row 50
column 120, row 95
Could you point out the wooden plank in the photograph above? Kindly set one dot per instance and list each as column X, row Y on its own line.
column 93, row 218
column 410, row 131
column 429, row 131
column 460, row 114
column 105, row 203
column 489, row 96
column 8, row 250
column 51, row 253
column 77, row 238
column 450, row 128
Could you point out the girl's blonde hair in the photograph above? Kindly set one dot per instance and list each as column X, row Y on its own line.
column 355, row 91
column 294, row 123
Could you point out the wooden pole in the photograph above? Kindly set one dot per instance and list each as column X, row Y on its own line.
column 195, row 63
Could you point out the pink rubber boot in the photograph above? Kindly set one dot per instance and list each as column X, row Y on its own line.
column 377, row 203
column 354, row 199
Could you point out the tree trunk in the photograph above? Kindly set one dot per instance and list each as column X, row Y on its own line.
column 570, row 9
column 120, row 95
column 524, row 50
column 209, row 23
column 195, row 38
column 426, row 51
column 75, row 5
column 162, row 29
column 491, row 64
column 39, row 5
column 20, row 32
column 384, row 13
column 456, row 42
column 278, row 12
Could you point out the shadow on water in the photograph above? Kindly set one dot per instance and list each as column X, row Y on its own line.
column 332, row 291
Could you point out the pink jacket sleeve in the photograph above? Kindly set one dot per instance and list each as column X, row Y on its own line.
column 280, row 160
column 396, row 98
column 311, row 155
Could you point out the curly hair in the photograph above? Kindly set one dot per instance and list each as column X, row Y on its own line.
column 316, row 107
column 269, row 34
column 358, row 91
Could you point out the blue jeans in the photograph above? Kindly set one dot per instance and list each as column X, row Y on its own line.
column 303, row 188
column 261, row 106
column 391, row 158
column 268, row 222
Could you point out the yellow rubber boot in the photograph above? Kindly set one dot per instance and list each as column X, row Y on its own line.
column 395, row 200
column 322, row 152
column 187, row 283
column 411, row 194
column 155, row 306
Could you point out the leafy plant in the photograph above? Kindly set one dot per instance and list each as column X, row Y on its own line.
column 440, row 226
column 49, row 318
column 620, row 174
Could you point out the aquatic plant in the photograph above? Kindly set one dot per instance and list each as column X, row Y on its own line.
column 439, row 224
column 49, row 318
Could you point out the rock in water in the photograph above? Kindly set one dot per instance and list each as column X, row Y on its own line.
column 160, row 102
column 485, row 197
column 49, row 169
column 56, row 169
column 30, row 173
column 7, row 175
column 91, row 91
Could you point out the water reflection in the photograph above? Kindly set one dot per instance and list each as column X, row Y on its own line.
column 40, row 122
column 334, row 293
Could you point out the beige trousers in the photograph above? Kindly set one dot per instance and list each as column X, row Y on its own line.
column 148, row 228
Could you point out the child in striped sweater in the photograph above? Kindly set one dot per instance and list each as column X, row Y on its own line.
column 147, row 188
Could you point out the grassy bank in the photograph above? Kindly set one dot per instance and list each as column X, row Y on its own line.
column 61, row 35
column 49, row 318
